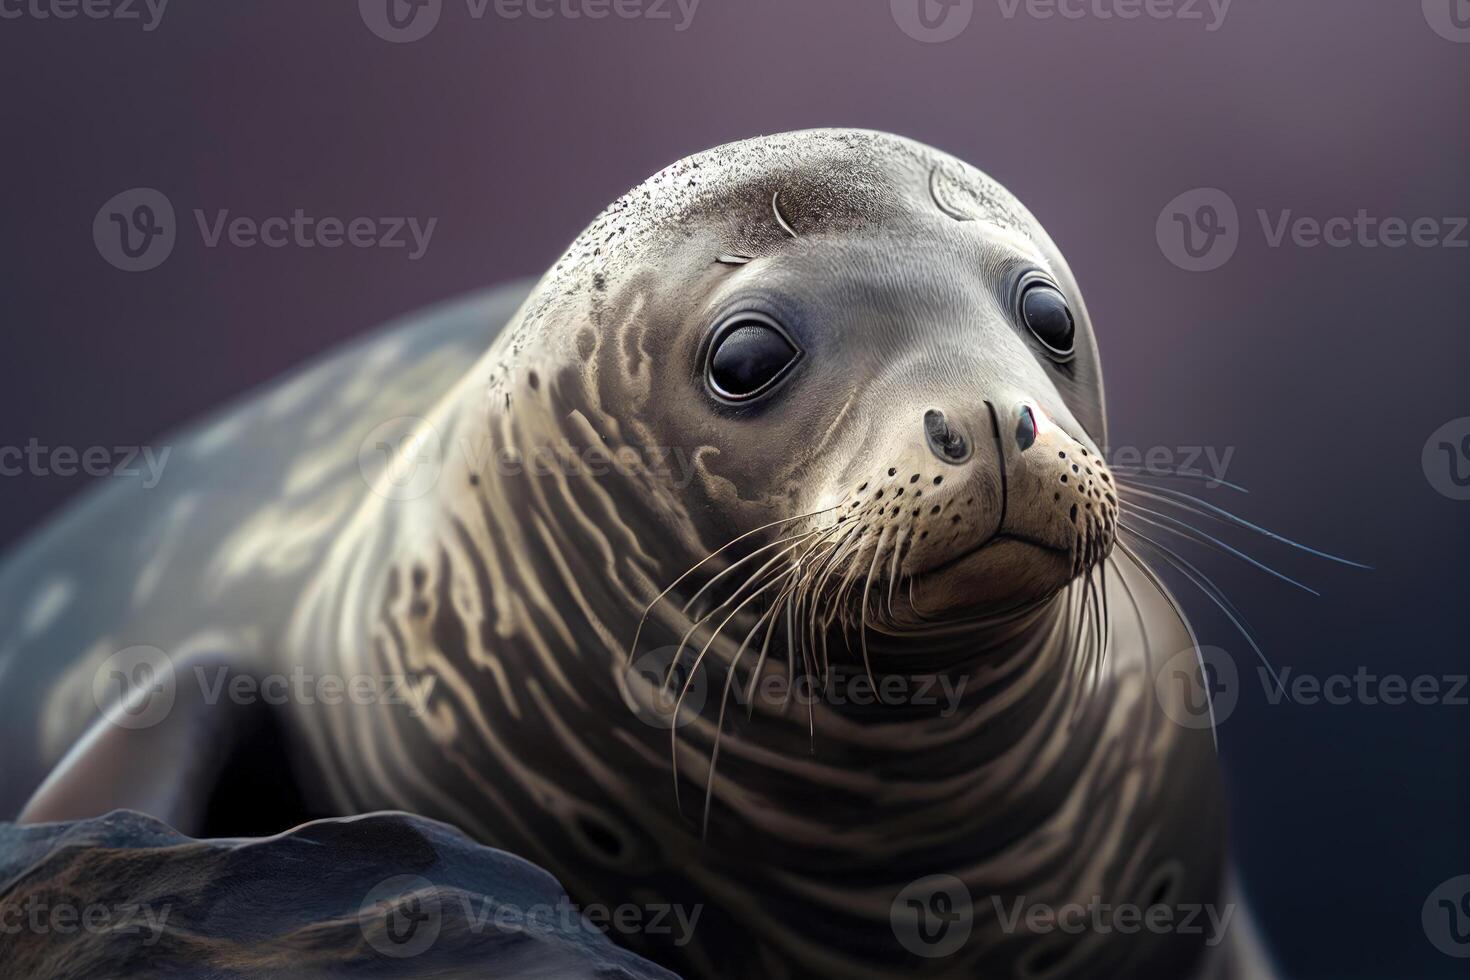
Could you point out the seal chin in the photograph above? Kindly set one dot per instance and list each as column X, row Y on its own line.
column 1006, row 572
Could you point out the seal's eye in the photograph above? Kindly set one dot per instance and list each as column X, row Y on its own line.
column 1044, row 310
column 750, row 354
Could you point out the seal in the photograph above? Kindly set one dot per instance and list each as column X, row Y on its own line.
column 766, row 562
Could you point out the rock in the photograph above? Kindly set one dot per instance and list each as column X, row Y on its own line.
column 386, row 895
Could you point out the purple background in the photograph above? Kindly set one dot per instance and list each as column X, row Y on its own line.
column 1326, row 369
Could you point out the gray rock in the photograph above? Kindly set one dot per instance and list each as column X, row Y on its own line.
column 377, row 896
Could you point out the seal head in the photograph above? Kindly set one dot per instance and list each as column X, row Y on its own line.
column 850, row 326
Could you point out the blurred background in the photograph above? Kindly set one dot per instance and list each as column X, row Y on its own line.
column 1323, row 373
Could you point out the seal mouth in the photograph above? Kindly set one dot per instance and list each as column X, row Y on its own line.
column 1003, row 571
column 993, row 541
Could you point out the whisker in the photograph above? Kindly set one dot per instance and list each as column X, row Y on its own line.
column 632, row 649
column 814, row 596
column 1242, row 522
column 1148, row 646
column 797, row 537
column 903, row 536
column 1211, row 591
column 689, row 681
column 1163, row 590
column 1191, row 533
column 1135, row 472
column 794, row 583
column 863, row 626
column 784, row 596
column 750, row 580
column 714, row 758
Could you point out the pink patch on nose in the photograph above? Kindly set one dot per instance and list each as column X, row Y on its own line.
column 1039, row 419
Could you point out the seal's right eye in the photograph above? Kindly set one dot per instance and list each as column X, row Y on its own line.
column 749, row 356
column 1045, row 313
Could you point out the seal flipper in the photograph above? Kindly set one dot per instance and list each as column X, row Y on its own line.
column 209, row 767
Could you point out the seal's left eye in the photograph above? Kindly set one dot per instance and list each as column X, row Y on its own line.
column 1044, row 309
column 750, row 354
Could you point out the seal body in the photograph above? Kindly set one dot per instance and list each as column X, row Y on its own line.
column 208, row 564
column 762, row 565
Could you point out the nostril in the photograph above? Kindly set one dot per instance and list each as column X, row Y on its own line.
column 944, row 440
column 1026, row 429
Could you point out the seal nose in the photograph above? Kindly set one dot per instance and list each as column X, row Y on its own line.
column 945, row 441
